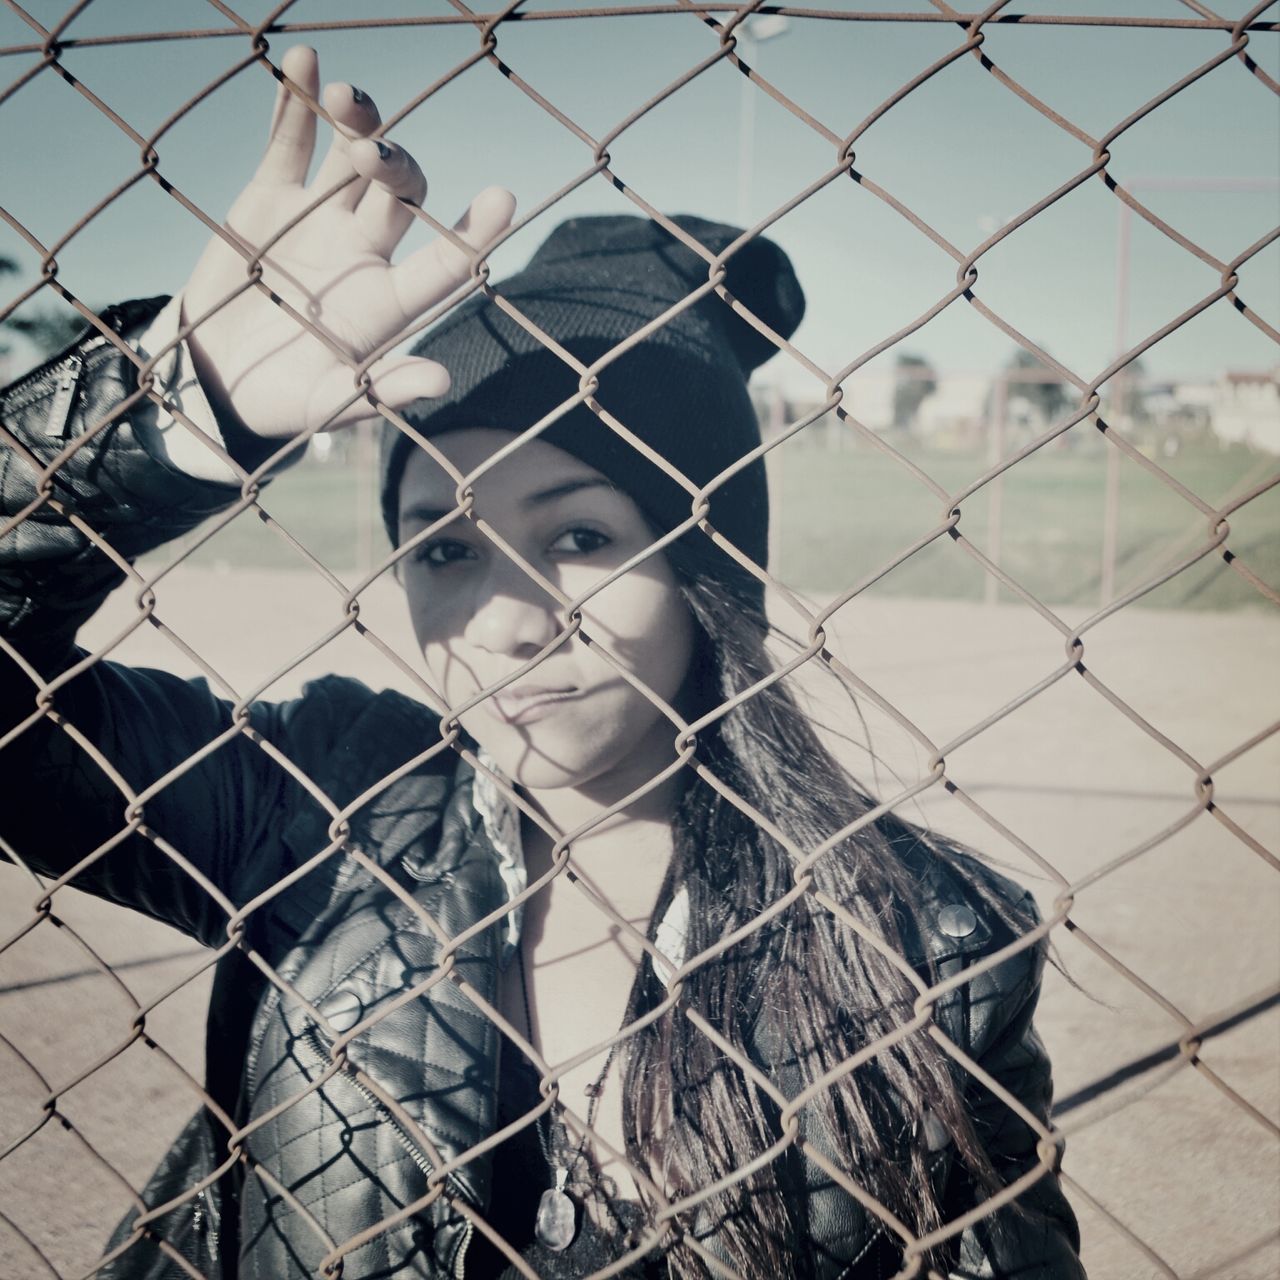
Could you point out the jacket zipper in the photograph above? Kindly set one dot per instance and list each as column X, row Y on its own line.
column 205, row 1222
column 270, row 1001
column 312, row 1037
column 64, row 396
column 77, row 354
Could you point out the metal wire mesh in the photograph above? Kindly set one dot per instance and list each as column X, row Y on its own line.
column 44, row 55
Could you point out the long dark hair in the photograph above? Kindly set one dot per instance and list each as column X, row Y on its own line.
column 805, row 982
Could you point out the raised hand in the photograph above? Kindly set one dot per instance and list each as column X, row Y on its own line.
column 334, row 267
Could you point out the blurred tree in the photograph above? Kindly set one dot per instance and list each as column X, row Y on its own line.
column 1050, row 396
column 7, row 268
column 47, row 331
column 1129, row 392
column 914, row 382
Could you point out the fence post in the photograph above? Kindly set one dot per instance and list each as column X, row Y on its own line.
column 1111, row 499
column 366, row 498
column 995, row 490
column 1110, row 527
column 777, row 421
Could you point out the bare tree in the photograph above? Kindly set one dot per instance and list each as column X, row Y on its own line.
column 914, row 382
column 1049, row 395
column 7, row 268
column 48, row 331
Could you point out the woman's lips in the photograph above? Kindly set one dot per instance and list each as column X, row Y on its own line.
column 523, row 706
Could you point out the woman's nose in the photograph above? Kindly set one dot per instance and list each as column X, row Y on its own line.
column 512, row 616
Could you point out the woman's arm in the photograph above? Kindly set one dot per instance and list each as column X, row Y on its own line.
column 61, row 805
column 74, row 460
column 83, row 465
column 1036, row 1238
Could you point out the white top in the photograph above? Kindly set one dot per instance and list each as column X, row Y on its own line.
column 502, row 825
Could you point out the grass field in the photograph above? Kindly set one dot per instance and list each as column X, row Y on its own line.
column 842, row 515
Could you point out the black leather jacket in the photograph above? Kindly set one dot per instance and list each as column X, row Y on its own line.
column 342, row 1147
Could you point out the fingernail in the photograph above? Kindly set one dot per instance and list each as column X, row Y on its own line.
column 358, row 95
column 384, row 151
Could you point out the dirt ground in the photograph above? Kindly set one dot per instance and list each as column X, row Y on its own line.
column 1169, row 1174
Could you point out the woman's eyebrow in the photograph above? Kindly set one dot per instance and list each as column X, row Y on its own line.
column 567, row 487
column 426, row 514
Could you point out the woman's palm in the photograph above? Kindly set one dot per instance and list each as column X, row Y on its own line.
column 333, row 269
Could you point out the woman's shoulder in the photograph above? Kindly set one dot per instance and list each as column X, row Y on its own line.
column 377, row 755
column 357, row 730
column 974, row 936
column 348, row 702
column 351, row 741
column 961, row 906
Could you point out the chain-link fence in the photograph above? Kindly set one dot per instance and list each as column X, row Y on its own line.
column 1115, row 758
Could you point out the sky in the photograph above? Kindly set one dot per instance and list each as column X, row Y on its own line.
column 962, row 152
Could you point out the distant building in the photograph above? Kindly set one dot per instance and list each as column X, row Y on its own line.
column 1246, row 408
column 1240, row 407
column 870, row 399
column 956, row 413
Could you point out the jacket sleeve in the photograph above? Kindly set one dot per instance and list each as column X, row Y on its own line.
column 209, row 833
column 1036, row 1237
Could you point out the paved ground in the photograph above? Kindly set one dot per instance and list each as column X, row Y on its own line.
column 1189, row 1173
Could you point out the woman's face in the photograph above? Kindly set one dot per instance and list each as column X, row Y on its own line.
column 573, row 720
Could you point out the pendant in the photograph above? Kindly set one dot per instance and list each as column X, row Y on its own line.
column 557, row 1221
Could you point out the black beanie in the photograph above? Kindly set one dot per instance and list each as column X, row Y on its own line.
column 682, row 391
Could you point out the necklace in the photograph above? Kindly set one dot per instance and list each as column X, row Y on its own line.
column 556, row 1223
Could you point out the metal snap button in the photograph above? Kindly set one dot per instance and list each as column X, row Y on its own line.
column 342, row 1010
column 957, row 920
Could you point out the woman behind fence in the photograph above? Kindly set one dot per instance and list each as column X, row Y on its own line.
column 351, row 1076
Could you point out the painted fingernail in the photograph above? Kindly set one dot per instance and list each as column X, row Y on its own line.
column 358, row 96
column 384, row 151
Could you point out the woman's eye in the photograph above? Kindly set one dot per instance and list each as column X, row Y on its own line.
column 443, row 551
column 580, row 542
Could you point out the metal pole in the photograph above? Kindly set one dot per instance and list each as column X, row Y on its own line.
column 746, row 131
column 995, row 490
column 1111, row 498
column 366, row 496
column 750, row 35
column 777, row 422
